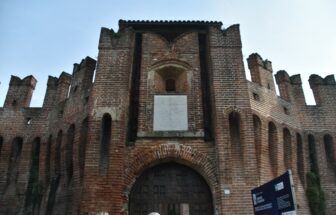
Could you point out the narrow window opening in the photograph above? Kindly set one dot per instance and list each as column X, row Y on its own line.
column 286, row 110
column 312, row 155
column 105, row 143
column 82, row 146
column 330, row 151
column 14, row 103
column 236, row 142
column 272, row 146
column 287, row 153
column 257, row 139
column 170, row 85
column 256, row 97
column 69, row 152
column 234, row 121
column 58, row 153
column 55, row 180
column 33, row 198
column 300, row 159
column 14, row 160
column 268, row 86
column 47, row 160
column 28, row 121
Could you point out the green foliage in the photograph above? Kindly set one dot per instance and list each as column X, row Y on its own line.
column 314, row 191
column 315, row 194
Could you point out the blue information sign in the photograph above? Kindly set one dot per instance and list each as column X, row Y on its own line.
column 276, row 197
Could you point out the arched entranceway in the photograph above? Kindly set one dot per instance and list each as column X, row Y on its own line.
column 170, row 189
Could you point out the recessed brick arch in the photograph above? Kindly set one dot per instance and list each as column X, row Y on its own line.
column 177, row 71
column 170, row 152
column 174, row 62
column 162, row 42
column 227, row 111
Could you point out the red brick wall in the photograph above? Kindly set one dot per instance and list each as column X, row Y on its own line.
column 225, row 162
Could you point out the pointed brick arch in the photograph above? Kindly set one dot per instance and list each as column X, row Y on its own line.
column 146, row 158
column 184, row 38
column 161, row 41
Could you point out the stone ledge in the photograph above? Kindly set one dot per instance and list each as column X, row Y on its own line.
column 166, row 134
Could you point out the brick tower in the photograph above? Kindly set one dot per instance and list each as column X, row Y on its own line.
column 169, row 125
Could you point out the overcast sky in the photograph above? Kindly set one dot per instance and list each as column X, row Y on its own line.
column 41, row 38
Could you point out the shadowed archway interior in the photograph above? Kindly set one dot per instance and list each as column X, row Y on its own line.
column 170, row 189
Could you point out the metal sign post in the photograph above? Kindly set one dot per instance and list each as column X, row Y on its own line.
column 276, row 197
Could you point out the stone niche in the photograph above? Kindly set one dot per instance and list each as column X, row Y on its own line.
column 171, row 79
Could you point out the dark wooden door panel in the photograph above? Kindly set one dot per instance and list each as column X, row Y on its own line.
column 170, row 189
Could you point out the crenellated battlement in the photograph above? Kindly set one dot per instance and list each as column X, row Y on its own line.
column 282, row 76
column 27, row 81
column 290, row 87
column 82, row 75
column 261, row 71
column 318, row 80
column 57, row 90
column 323, row 89
column 87, row 63
column 64, row 78
column 20, row 92
column 92, row 143
column 255, row 60
column 110, row 39
column 283, row 80
column 296, row 79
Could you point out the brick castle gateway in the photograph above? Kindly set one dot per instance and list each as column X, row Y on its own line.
column 170, row 125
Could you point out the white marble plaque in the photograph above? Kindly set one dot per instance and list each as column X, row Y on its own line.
column 170, row 113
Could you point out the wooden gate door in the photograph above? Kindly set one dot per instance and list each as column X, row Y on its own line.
column 170, row 189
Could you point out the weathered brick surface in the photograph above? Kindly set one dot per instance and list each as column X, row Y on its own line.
column 256, row 135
